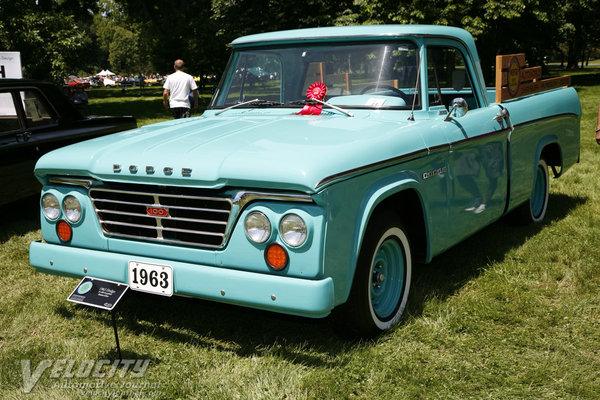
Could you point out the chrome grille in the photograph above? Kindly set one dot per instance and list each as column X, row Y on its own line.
column 192, row 219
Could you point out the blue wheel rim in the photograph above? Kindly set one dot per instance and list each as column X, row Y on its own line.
column 538, row 197
column 388, row 273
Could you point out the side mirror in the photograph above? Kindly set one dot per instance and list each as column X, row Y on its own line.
column 459, row 108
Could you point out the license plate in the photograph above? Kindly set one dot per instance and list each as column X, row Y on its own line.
column 151, row 278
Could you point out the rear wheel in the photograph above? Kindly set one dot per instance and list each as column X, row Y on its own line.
column 381, row 284
column 534, row 210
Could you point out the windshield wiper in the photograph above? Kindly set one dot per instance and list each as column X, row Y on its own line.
column 315, row 101
column 258, row 102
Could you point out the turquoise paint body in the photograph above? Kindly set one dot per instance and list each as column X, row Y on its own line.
column 346, row 165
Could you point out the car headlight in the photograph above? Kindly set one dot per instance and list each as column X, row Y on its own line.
column 258, row 227
column 50, row 206
column 72, row 208
column 293, row 230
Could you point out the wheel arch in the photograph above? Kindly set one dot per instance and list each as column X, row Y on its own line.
column 405, row 200
column 549, row 150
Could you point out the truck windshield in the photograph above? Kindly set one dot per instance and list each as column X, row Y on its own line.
column 373, row 75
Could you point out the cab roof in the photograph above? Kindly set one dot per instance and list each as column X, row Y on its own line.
column 353, row 33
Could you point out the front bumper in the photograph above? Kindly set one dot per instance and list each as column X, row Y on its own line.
column 304, row 297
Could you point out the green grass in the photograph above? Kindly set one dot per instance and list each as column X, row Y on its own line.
column 145, row 104
column 512, row 313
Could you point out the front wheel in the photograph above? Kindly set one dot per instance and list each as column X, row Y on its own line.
column 381, row 284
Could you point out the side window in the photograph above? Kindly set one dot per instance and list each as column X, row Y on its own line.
column 37, row 112
column 448, row 77
column 9, row 120
column 259, row 76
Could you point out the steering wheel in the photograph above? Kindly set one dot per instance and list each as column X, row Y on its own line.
column 396, row 91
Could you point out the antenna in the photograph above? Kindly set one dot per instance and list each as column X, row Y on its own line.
column 411, row 117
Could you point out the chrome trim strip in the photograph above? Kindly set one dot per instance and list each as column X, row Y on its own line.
column 159, row 240
column 170, row 218
column 86, row 183
column 178, row 196
column 375, row 166
column 160, row 228
column 155, row 204
column 242, row 198
column 400, row 159
column 406, row 157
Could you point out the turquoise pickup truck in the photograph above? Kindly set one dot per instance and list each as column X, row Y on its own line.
column 330, row 162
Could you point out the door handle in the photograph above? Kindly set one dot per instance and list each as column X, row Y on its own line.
column 502, row 115
column 23, row 136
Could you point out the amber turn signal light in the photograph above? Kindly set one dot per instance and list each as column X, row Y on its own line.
column 64, row 231
column 276, row 256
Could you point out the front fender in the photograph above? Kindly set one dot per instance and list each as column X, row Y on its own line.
column 377, row 192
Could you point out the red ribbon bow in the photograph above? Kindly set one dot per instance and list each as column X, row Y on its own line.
column 316, row 91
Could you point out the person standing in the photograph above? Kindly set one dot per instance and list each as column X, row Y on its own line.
column 176, row 91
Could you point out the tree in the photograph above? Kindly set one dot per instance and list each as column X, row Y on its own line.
column 172, row 29
column 498, row 26
column 119, row 38
column 579, row 30
column 48, row 35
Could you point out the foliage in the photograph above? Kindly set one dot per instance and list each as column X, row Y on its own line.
column 498, row 26
column 172, row 29
column 57, row 37
column 119, row 38
column 49, row 40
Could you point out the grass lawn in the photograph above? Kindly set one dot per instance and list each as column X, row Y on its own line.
column 145, row 104
column 512, row 313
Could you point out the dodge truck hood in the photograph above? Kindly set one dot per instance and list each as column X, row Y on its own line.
column 246, row 149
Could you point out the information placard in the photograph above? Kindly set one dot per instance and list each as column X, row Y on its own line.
column 98, row 293
column 10, row 64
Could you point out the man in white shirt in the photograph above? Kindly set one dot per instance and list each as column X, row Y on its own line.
column 177, row 89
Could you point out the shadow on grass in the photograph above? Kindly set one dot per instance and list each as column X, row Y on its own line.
column 20, row 217
column 585, row 79
column 248, row 332
column 451, row 270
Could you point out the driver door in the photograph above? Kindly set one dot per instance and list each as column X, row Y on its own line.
column 477, row 167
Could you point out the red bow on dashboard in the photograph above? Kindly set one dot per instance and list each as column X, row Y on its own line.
column 316, row 91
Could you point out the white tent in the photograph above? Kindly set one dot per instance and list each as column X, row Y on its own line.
column 105, row 72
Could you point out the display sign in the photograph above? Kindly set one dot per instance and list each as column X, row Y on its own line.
column 10, row 64
column 512, row 80
column 98, row 293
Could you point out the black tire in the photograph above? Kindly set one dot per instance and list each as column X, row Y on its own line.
column 534, row 209
column 381, row 283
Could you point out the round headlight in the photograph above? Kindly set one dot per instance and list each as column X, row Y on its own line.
column 293, row 230
column 258, row 227
column 50, row 206
column 72, row 208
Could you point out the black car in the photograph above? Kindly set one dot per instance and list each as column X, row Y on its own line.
column 35, row 118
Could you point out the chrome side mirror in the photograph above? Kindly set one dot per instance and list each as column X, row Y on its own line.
column 459, row 108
